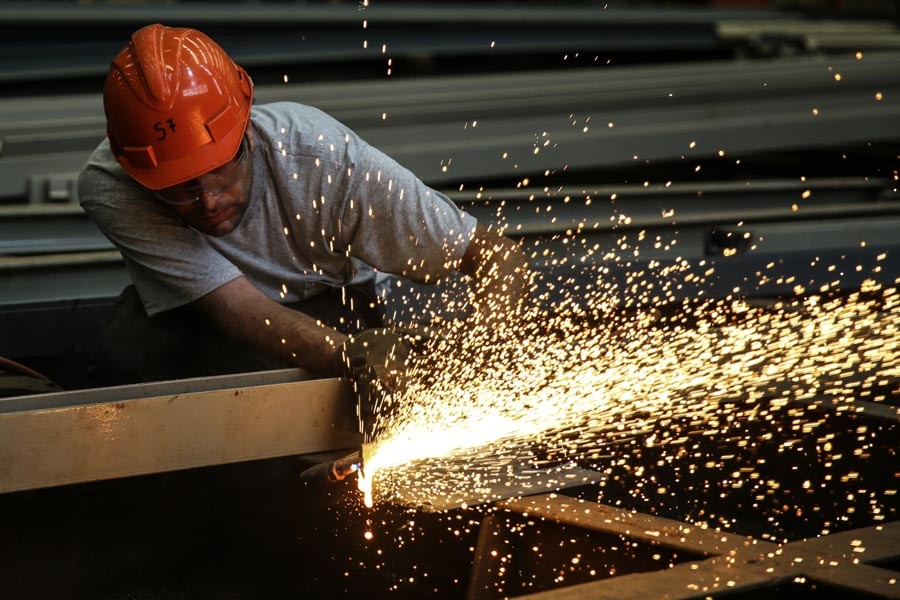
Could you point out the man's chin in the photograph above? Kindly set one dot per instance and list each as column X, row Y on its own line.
column 217, row 229
column 220, row 228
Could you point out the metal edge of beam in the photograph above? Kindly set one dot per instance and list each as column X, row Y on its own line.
column 638, row 191
column 531, row 223
column 835, row 559
column 703, row 579
column 121, row 393
column 434, row 97
column 487, row 547
column 760, row 125
column 439, row 95
column 68, row 222
column 627, row 191
column 89, row 442
column 481, row 158
column 53, row 279
column 69, row 259
column 31, row 211
column 744, row 28
column 685, row 580
column 841, row 559
column 640, row 526
column 876, row 581
column 865, row 544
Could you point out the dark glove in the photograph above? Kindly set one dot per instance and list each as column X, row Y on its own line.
column 375, row 360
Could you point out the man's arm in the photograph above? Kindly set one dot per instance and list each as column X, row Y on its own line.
column 246, row 314
column 498, row 265
column 501, row 272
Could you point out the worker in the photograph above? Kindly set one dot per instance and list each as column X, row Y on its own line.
column 252, row 233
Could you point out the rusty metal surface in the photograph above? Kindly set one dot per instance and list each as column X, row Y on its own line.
column 46, row 441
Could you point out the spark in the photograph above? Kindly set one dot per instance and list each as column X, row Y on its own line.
column 493, row 399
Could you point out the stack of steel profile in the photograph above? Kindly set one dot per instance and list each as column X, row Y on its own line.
column 478, row 129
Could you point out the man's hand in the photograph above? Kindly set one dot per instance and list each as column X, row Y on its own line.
column 375, row 360
column 502, row 277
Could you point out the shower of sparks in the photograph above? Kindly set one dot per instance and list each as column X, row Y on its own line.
column 498, row 398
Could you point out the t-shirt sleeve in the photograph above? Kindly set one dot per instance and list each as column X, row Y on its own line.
column 396, row 223
column 169, row 263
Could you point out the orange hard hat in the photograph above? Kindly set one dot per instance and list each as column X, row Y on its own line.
column 176, row 106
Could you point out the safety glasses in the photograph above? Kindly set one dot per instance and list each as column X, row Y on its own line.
column 215, row 182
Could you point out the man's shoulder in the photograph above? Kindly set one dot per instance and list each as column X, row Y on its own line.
column 285, row 109
column 100, row 173
column 280, row 117
column 299, row 128
column 102, row 158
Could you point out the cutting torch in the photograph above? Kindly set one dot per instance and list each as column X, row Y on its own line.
column 337, row 470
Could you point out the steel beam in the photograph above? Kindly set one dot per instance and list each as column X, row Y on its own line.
column 263, row 13
column 70, row 437
column 62, row 228
column 634, row 525
column 29, row 279
column 290, row 33
column 48, row 228
column 734, row 564
column 838, row 214
column 279, row 33
column 429, row 124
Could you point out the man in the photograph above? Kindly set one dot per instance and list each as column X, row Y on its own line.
column 244, row 226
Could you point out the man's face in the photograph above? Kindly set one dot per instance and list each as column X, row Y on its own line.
column 215, row 202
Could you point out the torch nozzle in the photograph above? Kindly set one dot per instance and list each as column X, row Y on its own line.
column 337, row 470
column 332, row 471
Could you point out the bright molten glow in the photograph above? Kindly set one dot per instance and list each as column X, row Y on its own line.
column 365, row 486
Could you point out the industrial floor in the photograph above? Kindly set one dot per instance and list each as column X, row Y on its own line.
column 251, row 531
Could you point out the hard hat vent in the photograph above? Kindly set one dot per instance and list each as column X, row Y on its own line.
column 147, row 47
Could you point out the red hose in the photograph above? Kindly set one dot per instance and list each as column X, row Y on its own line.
column 11, row 365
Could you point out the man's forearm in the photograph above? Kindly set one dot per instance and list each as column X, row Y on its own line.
column 251, row 317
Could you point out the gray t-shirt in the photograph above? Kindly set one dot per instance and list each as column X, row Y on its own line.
column 325, row 209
